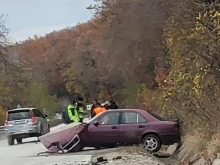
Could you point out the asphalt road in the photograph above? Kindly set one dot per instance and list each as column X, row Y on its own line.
column 27, row 154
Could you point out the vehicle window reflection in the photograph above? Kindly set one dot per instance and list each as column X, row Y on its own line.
column 129, row 118
column 110, row 119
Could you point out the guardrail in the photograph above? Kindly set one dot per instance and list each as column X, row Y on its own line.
column 2, row 129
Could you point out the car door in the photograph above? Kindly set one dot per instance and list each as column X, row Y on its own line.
column 106, row 131
column 131, row 127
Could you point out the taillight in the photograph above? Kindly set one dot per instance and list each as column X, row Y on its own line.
column 33, row 119
column 6, row 122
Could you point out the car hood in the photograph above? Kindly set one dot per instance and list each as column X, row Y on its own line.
column 62, row 135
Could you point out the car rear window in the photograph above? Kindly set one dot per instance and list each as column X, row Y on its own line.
column 156, row 116
column 18, row 115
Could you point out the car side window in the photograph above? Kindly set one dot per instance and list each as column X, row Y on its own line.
column 141, row 119
column 40, row 114
column 109, row 119
column 129, row 118
column 37, row 113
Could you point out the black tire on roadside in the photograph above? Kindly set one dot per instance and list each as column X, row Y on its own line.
column 151, row 143
column 19, row 140
column 10, row 140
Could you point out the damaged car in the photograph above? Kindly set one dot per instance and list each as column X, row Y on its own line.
column 115, row 127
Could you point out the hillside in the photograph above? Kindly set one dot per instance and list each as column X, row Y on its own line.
column 158, row 55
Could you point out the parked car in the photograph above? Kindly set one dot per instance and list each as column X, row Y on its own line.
column 23, row 123
column 130, row 126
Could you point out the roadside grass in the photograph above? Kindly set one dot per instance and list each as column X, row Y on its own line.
column 196, row 142
column 213, row 146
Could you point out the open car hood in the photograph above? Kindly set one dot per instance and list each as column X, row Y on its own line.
column 61, row 135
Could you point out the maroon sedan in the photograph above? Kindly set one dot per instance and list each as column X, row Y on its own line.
column 129, row 126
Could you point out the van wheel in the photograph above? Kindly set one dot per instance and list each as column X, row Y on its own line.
column 19, row 141
column 10, row 140
column 151, row 143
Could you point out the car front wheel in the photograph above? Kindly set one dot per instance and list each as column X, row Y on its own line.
column 10, row 140
column 151, row 143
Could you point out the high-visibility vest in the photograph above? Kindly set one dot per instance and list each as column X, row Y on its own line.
column 72, row 113
column 99, row 110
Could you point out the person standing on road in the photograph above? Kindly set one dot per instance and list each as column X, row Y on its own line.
column 94, row 105
column 99, row 109
column 80, row 109
column 113, row 105
column 107, row 105
column 73, row 115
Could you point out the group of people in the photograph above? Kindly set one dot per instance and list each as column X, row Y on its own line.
column 75, row 111
column 97, row 108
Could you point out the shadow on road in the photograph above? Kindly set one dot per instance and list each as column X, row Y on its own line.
column 28, row 142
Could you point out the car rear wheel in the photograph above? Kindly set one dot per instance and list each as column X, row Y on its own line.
column 10, row 140
column 19, row 140
column 151, row 143
column 41, row 131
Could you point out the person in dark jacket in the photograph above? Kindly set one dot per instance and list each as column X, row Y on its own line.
column 107, row 105
column 94, row 105
column 113, row 105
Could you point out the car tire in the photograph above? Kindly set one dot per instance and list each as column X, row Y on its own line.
column 151, row 143
column 41, row 131
column 10, row 140
column 77, row 148
column 19, row 140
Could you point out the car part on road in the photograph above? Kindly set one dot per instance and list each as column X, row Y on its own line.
column 151, row 143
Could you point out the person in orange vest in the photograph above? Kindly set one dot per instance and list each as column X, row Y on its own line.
column 98, row 109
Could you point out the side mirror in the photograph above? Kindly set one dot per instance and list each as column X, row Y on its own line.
column 96, row 123
column 45, row 115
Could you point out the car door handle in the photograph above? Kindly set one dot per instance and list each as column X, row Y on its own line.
column 114, row 127
column 141, row 126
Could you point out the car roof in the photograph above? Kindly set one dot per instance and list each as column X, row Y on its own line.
column 137, row 110
column 20, row 109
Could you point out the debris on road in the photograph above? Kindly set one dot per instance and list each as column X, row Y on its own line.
column 124, row 159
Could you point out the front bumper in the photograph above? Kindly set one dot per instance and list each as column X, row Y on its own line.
column 170, row 139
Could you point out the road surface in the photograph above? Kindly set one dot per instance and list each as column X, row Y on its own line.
column 27, row 154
